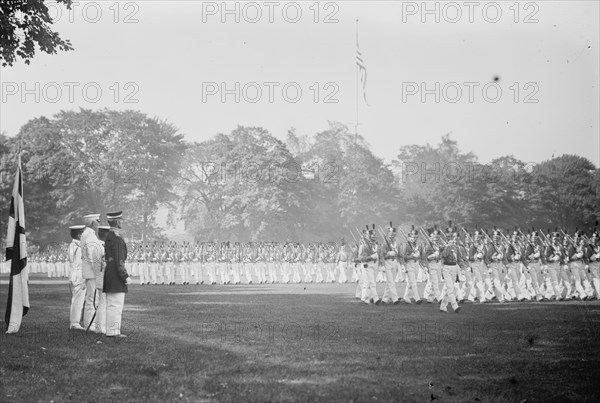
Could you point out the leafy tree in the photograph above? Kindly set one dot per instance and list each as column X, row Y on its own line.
column 242, row 186
column 6, row 180
column 350, row 185
column 97, row 161
column 25, row 23
column 437, row 182
column 500, row 194
column 566, row 192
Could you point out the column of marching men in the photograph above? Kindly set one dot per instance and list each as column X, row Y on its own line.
column 492, row 265
column 237, row 263
column 483, row 266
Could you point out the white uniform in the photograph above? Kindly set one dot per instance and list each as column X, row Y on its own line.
column 77, row 283
column 91, row 255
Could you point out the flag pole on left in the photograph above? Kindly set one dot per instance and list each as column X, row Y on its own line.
column 16, row 252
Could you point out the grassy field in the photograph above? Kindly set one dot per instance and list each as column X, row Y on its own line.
column 302, row 342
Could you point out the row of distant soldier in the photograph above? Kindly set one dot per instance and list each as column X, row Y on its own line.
column 211, row 251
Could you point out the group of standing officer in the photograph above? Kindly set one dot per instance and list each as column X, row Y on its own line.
column 98, row 276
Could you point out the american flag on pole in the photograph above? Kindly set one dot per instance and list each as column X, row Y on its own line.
column 16, row 252
column 362, row 70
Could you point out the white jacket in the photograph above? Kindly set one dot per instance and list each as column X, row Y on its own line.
column 91, row 254
column 74, row 254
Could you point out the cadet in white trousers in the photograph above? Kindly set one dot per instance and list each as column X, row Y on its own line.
column 389, row 254
column 411, row 256
column 450, row 258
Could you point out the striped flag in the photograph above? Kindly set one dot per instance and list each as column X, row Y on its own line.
column 362, row 70
column 16, row 251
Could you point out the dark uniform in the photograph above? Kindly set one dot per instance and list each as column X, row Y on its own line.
column 115, row 276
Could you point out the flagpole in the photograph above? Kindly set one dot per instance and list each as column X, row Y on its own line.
column 356, row 82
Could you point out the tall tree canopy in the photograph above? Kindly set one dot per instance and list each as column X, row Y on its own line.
column 243, row 186
column 96, row 161
column 249, row 185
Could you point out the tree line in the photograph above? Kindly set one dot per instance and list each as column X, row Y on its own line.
column 249, row 185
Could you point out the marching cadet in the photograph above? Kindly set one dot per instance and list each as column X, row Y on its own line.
column 411, row 256
column 197, row 264
column 258, row 259
column 183, row 263
column 307, row 262
column 143, row 264
column 147, row 264
column 255, row 256
column 283, row 257
column 296, row 258
column 155, row 266
column 314, row 258
column 170, row 261
column 319, row 262
column 358, row 272
column 389, row 260
column 342, row 261
column 512, row 260
column 50, row 259
column 532, row 264
column 131, row 264
column 474, row 253
column 355, row 278
column 554, row 258
column 575, row 254
column 236, row 262
column 210, row 257
column 465, row 275
column 62, row 262
column 220, row 262
column 161, row 264
column 433, row 250
column 270, row 263
column 76, row 278
column 177, row 255
column 451, row 257
column 565, row 268
column 541, row 245
column 246, row 262
column 369, row 257
column 493, row 259
column 593, row 257
column 227, row 262
column 584, row 270
column 550, row 255
column 326, row 263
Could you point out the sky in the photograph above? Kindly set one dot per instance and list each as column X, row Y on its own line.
column 503, row 78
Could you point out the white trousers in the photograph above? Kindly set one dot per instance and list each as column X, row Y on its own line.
column 77, row 301
column 114, row 312
column 450, row 273
column 99, row 324
column 390, row 293
column 90, row 305
column 412, row 268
